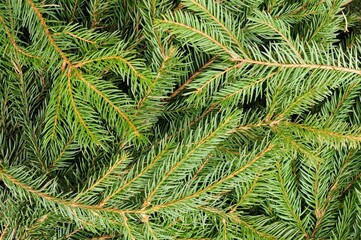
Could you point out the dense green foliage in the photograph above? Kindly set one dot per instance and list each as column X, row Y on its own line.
column 355, row 7
column 198, row 119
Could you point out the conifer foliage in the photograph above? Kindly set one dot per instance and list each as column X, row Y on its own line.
column 192, row 119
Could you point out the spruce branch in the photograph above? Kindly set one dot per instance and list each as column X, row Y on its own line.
column 193, row 119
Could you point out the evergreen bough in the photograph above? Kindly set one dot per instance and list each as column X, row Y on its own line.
column 198, row 119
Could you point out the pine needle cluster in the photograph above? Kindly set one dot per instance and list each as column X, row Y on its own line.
column 191, row 119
